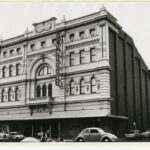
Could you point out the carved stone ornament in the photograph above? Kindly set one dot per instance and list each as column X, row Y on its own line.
column 67, row 89
column 77, row 89
column 87, row 87
column 98, row 86
column 43, row 27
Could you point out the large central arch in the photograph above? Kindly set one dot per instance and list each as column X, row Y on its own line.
column 32, row 71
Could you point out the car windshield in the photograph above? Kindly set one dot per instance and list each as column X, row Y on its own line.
column 14, row 133
column 85, row 131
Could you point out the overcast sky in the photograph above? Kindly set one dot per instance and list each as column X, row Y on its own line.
column 134, row 17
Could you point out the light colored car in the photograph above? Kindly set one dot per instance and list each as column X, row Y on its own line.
column 95, row 135
column 15, row 136
column 30, row 140
column 146, row 133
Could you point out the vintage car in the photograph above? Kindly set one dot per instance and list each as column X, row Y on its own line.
column 95, row 135
column 146, row 134
column 30, row 140
column 133, row 134
column 15, row 136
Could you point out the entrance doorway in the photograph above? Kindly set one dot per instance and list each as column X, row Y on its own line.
column 54, row 130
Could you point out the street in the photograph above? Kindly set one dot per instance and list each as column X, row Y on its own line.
column 139, row 139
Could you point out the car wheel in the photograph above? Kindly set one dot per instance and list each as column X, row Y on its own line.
column 106, row 139
column 80, row 140
column 17, row 139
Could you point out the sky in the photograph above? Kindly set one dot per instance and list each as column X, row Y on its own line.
column 15, row 17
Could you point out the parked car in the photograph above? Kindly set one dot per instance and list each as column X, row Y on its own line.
column 95, row 135
column 146, row 134
column 3, row 137
column 30, row 140
column 133, row 134
column 15, row 136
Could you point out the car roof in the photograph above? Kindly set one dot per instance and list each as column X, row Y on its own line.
column 92, row 128
column 14, row 132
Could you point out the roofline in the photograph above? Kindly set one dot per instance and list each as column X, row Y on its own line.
column 22, row 36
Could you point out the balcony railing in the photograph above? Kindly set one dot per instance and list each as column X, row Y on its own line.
column 40, row 100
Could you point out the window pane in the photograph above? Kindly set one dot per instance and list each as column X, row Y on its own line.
column 72, row 88
column 38, row 91
column 93, row 85
column 50, row 90
column 92, row 54
column 94, row 131
column 10, row 70
column 44, row 71
column 81, row 34
column 92, row 32
column 71, row 37
column 4, row 72
column 17, row 94
column 82, row 56
column 71, row 58
column 82, row 86
column 44, row 90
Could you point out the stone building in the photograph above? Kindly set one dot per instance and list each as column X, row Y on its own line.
column 65, row 76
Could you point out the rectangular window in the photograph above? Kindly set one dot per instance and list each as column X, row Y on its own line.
column 17, row 69
column 71, row 37
column 71, row 58
column 92, row 32
column 72, row 88
column 10, row 70
column 54, row 41
column 11, row 52
column 18, row 50
column 92, row 55
column 5, row 54
column 32, row 47
column 4, row 72
column 82, row 58
column 43, row 44
column 82, row 35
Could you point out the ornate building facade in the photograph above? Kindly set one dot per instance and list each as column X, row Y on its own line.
column 62, row 77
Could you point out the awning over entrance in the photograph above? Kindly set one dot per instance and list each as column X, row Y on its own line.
column 116, row 117
column 47, row 116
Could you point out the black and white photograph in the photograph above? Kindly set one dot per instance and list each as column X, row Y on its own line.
column 74, row 72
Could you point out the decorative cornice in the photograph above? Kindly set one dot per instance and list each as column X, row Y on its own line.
column 11, row 60
column 82, row 44
column 86, row 71
column 39, row 53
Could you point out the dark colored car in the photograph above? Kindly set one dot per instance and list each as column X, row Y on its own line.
column 95, row 135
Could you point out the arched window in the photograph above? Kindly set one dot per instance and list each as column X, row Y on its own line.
column 72, row 87
column 44, row 71
column 82, row 57
column 72, row 58
column 18, row 69
column 2, row 96
column 4, row 71
column 17, row 94
column 38, row 91
column 50, row 90
column 9, row 94
column 93, row 54
column 10, row 70
column 82, row 86
column 93, row 85
column 44, row 90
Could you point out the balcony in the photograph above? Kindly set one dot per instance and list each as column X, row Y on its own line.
column 40, row 100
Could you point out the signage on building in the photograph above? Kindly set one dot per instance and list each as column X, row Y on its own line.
column 59, row 56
